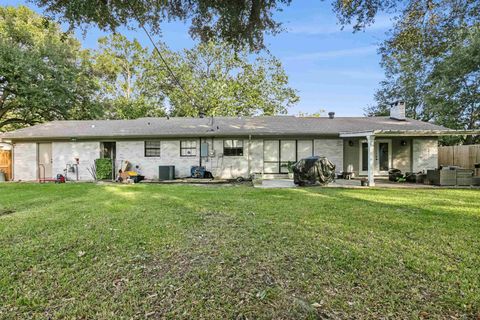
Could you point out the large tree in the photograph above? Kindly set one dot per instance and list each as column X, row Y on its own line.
column 125, row 93
column 211, row 78
column 237, row 22
column 242, row 22
column 453, row 87
column 40, row 70
column 217, row 80
column 431, row 61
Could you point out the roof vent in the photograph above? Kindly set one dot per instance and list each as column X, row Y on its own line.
column 397, row 110
column 331, row 115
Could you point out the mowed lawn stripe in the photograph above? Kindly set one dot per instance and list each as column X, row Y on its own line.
column 178, row 251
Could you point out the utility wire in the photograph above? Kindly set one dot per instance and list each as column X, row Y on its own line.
column 176, row 80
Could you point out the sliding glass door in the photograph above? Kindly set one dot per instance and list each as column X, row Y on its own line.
column 278, row 153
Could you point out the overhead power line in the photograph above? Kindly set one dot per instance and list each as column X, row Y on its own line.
column 172, row 74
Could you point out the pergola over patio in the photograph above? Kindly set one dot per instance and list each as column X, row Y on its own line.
column 372, row 134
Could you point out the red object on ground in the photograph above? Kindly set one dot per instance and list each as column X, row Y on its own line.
column 60, row 179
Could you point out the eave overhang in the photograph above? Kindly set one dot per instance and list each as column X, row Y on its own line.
column 409, row 133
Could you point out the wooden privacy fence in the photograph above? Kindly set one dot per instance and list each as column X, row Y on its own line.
column 6, row 163
column 462, row 156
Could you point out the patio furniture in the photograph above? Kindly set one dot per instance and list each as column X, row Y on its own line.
column 421, row 177
column 442, row 177
column 476, row 181
column 464, row 177
column 450, row 176
column 347, row 175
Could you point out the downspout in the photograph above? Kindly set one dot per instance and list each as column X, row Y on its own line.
column 248, row 155
column 200, row 153
column 212, row 150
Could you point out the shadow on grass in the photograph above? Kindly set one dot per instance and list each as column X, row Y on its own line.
column 182, row 251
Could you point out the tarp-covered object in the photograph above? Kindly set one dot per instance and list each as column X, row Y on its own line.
column 313, row 171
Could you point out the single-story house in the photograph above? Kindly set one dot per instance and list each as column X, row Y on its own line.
column 229, row 147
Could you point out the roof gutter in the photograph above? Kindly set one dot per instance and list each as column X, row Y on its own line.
column 173, row 136
column 409, row 133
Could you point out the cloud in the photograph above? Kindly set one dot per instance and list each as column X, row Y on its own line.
column 332, row 54
column 312, row 29
column 382, row 22
column 362, row 74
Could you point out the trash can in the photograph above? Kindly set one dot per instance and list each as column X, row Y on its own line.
column 197, row 172
column 2, row 177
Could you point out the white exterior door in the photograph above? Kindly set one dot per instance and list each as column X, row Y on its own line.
column 278, row 153
column 383, row 157
column 45, row 160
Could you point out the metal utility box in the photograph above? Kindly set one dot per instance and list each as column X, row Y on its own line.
column 166, row 172
column 204, row 150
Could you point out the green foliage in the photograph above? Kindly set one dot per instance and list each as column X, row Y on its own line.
column 453, row 86
column 103, row 168
column 240, row 22
column 362, row 13
column 290, row 165
column 210, row 78
column 432, row 62
column 125, row 93
column 41, row 74
column 219, row 81
column 318, row 114
column 46, row 76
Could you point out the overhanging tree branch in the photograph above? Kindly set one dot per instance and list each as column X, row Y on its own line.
column 16, row 120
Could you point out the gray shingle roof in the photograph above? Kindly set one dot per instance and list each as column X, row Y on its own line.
column 218, row 126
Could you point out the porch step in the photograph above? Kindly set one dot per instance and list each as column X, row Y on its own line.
column 270, row 176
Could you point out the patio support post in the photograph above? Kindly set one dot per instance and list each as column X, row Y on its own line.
column 371, row 160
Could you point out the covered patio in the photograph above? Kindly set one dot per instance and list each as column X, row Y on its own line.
column 376, row 149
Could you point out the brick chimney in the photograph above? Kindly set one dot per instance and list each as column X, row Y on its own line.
column 397, row 110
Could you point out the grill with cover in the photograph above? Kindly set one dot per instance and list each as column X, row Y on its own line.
column 313, row 171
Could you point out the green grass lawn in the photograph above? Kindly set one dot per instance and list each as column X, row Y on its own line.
column 234, row 252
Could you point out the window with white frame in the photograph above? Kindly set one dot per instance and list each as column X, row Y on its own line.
column 152, row 148
column 233, row 147
column 188, row 148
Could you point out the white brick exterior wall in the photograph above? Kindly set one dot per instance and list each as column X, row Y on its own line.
column 226, row 167
column 222, row 167
column 25, row 161
column 332, row 149
column 424, row 154
column 64, row 153
column 134, row 152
